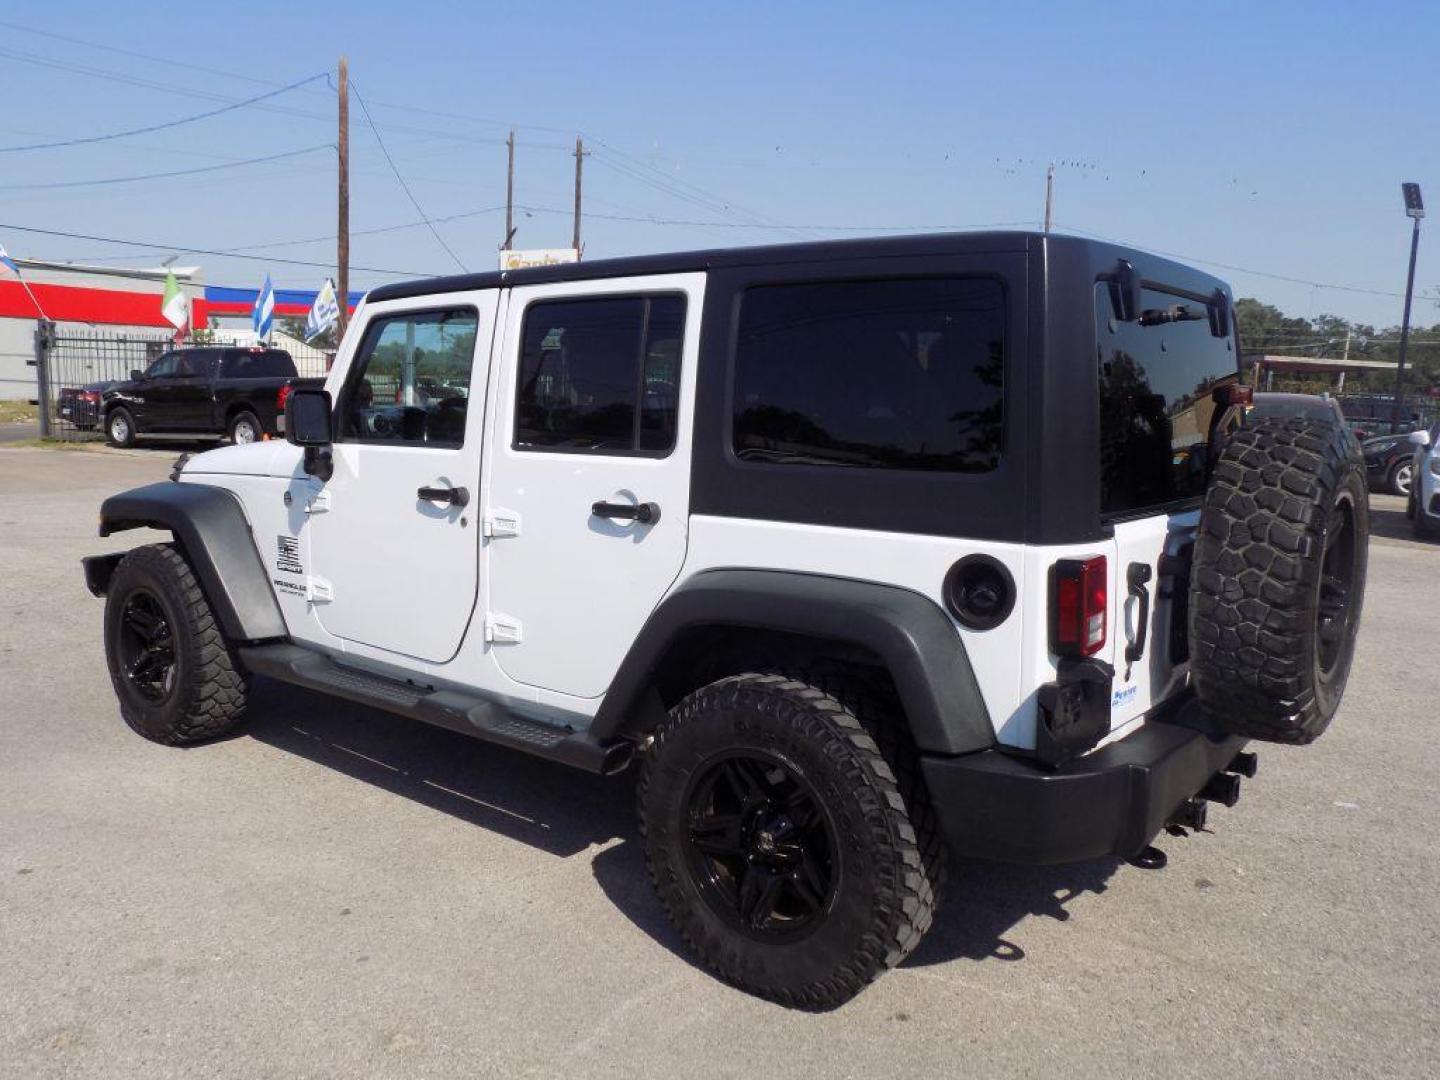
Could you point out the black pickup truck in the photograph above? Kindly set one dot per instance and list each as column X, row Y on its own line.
column 203, row 392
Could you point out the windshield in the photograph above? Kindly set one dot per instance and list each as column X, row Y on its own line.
column 1157, row 376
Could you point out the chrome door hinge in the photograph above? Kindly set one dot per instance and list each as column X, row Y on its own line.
column 502, row 629
column 319, row 591
column 501, row 522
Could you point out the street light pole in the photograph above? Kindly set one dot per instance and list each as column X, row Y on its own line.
column 1415, row 209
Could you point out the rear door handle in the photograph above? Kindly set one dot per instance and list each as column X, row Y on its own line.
column 1137, row 576
column 647, row 513
column 455, row 496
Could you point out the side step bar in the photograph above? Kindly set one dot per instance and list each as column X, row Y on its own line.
column 468, row 714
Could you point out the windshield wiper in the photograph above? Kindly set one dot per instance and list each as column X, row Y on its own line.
column 1173, row 313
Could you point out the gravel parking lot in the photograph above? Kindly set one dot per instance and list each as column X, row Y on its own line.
column 337, row 892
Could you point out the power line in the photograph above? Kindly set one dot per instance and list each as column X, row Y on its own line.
column 404, row 186
column 164, row 175
column 161, row 127
column 185, row 250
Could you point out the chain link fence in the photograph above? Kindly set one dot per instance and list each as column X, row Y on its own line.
column 75, row 365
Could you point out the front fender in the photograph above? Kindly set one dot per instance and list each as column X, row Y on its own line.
column 210, row 526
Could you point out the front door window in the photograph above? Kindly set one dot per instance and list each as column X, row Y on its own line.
column 411, row 380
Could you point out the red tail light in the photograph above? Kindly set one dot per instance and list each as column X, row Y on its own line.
column 281, row 398
column 1078, row 606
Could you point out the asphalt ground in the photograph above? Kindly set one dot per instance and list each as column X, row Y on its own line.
column 340, row 893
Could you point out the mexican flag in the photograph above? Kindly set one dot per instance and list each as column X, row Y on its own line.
column 175, row 306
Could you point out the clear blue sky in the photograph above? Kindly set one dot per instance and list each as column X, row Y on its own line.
column 1271, row 136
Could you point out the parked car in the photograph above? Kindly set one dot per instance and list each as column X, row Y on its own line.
column 1390, row 463
column 80, row 405
column 1370, row 427
column 844, row 543
column 202, row 393
column 1423, row 505
column 1269, row 406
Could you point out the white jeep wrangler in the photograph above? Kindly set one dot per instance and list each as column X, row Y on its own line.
column 866, row 552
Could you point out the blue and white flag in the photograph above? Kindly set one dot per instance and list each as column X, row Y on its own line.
column 8, row 262
column 324, row 313
column 262, row 317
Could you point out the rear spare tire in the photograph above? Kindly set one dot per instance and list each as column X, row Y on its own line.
column 1279, row 580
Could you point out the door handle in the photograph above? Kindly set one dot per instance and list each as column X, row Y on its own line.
column 647, row 513
column 1137, row 576
column 455, row 496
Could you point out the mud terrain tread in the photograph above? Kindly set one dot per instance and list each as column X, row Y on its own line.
column 1256, row 569
column 871, row 698
column 904, row 894
column 213, row 695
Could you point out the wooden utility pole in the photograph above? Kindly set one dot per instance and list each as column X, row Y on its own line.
column 342, row 225
column 1049, row 193
column 579, row 168
column 509, row 193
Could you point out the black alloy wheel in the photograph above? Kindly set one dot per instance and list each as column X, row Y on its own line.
column 779, row 841
column 761, row 847
column 147, row 647
column 178, row 678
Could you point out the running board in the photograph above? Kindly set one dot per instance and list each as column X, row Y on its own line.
column 469, row 714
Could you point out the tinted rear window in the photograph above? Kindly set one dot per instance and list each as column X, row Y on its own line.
column 271, row 364
column 1293, row 410
column 895, row 374
column 1156, row 383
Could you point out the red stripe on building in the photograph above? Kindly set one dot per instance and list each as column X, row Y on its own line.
column 69, row 303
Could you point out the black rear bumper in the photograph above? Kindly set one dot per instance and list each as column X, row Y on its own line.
column 1113, row 801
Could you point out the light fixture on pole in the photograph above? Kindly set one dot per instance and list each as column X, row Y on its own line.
column 1414, row 209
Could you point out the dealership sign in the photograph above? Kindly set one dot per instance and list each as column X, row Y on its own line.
column 520, row 260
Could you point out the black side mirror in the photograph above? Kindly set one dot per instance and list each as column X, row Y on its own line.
column 308, row 424
column 307, row 417
column 136, row 374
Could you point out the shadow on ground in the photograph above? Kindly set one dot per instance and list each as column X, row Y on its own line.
column 564, row 812
column 1387, row 519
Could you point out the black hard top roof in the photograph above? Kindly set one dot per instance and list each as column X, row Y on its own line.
column 966, row 243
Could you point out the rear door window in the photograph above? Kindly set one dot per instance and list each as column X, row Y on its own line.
column 892, row 374
column 600, row 375
column 1158, row 376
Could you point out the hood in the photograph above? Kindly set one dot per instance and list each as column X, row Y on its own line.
column 272, row 458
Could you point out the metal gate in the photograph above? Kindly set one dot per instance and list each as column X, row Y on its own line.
column 74, row 366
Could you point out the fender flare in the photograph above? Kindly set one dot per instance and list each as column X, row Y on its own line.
column 210, row 525
column 919, row 645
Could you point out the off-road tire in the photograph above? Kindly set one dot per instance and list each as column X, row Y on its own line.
column 884, row 900
column 210, row 685
column 127, row 437
column 245, row 418
column 1282, row 494
column 870, row 697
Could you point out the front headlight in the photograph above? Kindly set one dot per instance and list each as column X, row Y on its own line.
column 1435, row 464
